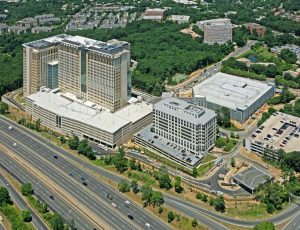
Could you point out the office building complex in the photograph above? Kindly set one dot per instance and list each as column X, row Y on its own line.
column 181, row 131
column 67, row 114
column 155, row 14
column 242, row 96
column 216, row 30
column 92, row 70
column 280, row 131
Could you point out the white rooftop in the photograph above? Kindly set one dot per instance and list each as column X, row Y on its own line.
column 90, row 113
column 231, row 91
column 179, row 17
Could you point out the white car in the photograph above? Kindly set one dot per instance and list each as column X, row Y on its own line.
column 15, row 144
column 10, row 127
column 114, row 205
column 148, row 225
column 127, row 202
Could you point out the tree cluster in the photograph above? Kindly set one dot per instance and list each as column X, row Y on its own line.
column 82, row 147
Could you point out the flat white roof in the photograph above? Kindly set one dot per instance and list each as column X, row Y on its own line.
column 179, row 17
column 231, row 91
column 93, row 116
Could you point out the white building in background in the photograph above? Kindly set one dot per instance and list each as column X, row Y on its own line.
column 216, row 30
column 180, row 19
column 242, row 96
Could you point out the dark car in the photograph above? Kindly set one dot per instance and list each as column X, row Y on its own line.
column 84, row 183
column 51, row 197
column 130, row 217
column 55, row 157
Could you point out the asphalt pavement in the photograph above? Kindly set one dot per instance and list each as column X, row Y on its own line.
column 18, row 200
column 44, row 192
column 294, row 224
column 69, row 177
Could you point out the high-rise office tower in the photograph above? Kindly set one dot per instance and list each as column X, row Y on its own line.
column 92, row 70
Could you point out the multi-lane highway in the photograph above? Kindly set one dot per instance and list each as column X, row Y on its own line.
column 70, row 164
column 44, row 192
column 69, row 177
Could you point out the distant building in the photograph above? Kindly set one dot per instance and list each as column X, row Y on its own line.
column 216, row 30
column 18, row 29
column 242, row 96
column 155, row 14
column 260, row 30
column 294, row 48
column 3, row 16
column 180, row 18
column 47, row 19
column 39, row 29
column 3, row 28
column 28, row 22
column 186, row 2
column 181, row 131
column 280, row 131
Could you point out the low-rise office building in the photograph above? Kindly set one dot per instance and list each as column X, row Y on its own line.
column 280, row 131
column 180, row 19
column 216, row 30
column 68, row 115
column 242, row 96
column 181, row 131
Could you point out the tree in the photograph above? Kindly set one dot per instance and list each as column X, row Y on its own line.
column 177, row 185
column 26, row 215
column 134, row 186
column 171, row 216
column 160, row 209
column 4, row 196
column 288, row 56
column 3, row 108
column 157, row 198
column 147, row 192
column 26, row 189
column 195, row 172
column 82, row 147
column 38, row 125
column 264, row 226
column 73, row 142
column 232, row 162
column 194, row 223
column 62, row 139
column 225, row 113
column 164, row 180
column 124, row 186
column 219, row 204
column 57, row 222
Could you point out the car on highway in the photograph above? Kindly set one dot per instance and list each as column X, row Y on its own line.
column 10, row 127
column 82, row 178
column 70, row 174
column 15, row 144
column 130, row 217
column 55, row 157
column 51, row 197
column 127, row 202
column 147, row 225
column 109, row 196
column 114, row 205
column 84, row 183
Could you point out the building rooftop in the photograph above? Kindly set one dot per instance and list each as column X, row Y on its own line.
column 280, row 131
column 185, row 111
column 231, row 91
column 88, row 112
column 179, row 17
column 252, row 177
column 172, row 150
column 79, row 41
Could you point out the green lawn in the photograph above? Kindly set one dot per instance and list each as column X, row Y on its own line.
column 204, row 168
column 178, row 77
column 208, row 158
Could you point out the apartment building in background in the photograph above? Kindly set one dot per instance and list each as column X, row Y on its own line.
column 216, row 30
column 181, row 131
column 92, row 70
column 155, row 14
